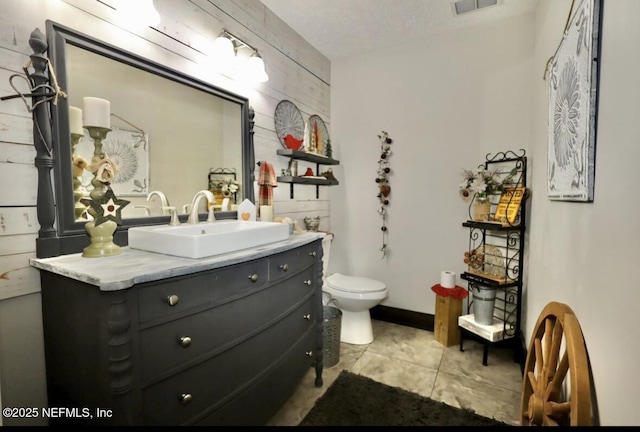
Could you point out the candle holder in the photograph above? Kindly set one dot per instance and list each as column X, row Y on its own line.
column 79, row 208
column 100, row 231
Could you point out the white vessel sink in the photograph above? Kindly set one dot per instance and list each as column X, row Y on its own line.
column 206, row 239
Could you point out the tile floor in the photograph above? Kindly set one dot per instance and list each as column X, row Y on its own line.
column 412, row 359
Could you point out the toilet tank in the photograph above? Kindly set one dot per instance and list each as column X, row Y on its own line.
column 326, row 251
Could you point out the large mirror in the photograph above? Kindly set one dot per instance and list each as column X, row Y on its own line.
column 169, row 133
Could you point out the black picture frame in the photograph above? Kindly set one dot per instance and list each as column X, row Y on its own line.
column 60, row 232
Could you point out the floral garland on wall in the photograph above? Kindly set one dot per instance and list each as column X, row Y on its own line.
column 383, row 185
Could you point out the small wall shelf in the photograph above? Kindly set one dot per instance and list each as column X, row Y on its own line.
column 309, row 157
column 317, row 180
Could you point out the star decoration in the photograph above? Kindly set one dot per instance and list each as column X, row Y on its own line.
column 109, row 207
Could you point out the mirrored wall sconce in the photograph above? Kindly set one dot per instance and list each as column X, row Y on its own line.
column 141, row 12
column 237, row 59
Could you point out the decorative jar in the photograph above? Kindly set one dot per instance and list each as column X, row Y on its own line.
column 481, row 209
column 312, row 224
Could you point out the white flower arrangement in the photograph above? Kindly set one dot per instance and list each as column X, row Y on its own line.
column 483, row 182
column 227, row 186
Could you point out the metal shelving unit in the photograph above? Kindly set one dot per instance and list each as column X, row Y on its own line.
column 502, row 246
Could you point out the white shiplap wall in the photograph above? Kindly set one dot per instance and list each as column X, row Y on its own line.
column 297, row 72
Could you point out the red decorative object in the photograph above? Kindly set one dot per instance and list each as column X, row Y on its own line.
column 267, row 181
column 291, row 142
column 308, row 172
column 316, row 138
column 458, row 292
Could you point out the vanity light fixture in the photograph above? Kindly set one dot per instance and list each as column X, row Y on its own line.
column 226, row 52
column 139, row 12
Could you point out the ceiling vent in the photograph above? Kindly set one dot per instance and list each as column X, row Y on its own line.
column 464, row 6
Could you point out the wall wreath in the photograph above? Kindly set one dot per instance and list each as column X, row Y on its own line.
column 384, row 189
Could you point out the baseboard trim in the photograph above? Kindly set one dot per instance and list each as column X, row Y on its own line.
column 403, row 317
column 424, row 321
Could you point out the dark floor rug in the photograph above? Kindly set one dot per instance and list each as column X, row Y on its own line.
column 355, row 400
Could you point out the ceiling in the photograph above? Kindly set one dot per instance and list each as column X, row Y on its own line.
column 342, row 28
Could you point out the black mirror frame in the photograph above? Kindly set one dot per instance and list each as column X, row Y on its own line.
column 69, row 235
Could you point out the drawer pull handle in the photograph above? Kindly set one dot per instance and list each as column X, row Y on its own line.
column 185, row 341
column 307, row 282
column 185, row 398
column 254, row 277
column 309, row 353
column 173, row 300
column 307, row 316
column 284, row 267
column 313, row 254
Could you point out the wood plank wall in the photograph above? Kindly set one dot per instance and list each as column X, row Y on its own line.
column 296, row 70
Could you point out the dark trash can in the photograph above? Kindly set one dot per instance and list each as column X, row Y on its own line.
column 332, row 317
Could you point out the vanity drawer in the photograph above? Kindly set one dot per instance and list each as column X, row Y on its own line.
column 179, row 295
column 265, row 396
column 290, row 262
column 163, row 346
column 224, row 376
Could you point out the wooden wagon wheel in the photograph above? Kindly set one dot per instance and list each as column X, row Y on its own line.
column 556, row 387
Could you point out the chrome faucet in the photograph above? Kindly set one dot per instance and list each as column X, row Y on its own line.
column 145, row 208
column 175, row 221
column 164, row 202
column 195, row 203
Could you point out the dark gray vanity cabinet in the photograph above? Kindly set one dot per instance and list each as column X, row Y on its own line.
column 225, row 346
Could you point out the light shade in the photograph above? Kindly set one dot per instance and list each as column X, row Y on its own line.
column 139, row 12
column 256, row 69
column 223, row 50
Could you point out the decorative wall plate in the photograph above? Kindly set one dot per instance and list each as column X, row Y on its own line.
column 289, row 125
column 318, row 133
column 494, row 262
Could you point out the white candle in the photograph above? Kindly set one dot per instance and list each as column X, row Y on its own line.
column 75, row 120
column 97, row 112
column 266, row 213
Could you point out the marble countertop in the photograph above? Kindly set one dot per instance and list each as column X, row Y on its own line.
column 135, row 266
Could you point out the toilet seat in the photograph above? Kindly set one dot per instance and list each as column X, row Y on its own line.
column 354, row 284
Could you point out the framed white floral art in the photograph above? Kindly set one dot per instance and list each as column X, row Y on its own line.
column 129, row 150
column 573, row 104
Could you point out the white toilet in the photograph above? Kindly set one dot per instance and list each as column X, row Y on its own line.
column 355, row 297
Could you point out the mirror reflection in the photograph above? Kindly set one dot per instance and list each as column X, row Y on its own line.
column 168, row 140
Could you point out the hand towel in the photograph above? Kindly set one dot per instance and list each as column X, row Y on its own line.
column 267, row 181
